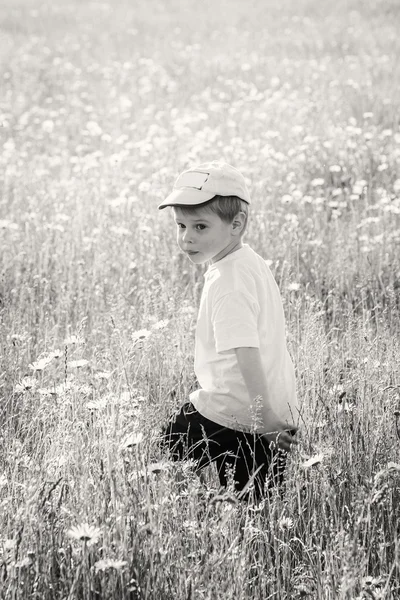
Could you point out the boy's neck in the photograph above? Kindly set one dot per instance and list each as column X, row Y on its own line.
column 232, row 247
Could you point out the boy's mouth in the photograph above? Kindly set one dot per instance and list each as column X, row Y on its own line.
column 191, row 252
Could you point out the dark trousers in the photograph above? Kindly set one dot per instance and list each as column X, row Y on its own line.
column 189, row 435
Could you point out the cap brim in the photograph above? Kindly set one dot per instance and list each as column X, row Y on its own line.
column 186, row 196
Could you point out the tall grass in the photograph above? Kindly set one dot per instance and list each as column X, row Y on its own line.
column 101, row 106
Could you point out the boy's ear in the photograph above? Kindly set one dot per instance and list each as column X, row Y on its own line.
column 239, row 221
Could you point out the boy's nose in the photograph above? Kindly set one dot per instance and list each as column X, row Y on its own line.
column 187, row 237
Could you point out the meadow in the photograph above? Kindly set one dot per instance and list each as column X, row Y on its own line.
column 102, row 105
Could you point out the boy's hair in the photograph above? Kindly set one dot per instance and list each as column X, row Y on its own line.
column 226, row 207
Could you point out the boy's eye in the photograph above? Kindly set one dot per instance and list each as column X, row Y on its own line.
column 200, row 226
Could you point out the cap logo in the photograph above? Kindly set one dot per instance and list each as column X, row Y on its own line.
column 193, row 179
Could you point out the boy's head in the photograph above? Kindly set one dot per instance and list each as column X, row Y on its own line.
column 210, row 204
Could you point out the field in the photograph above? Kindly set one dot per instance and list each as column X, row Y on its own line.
column 102, row 105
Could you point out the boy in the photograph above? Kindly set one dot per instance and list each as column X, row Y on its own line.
column 243, row 415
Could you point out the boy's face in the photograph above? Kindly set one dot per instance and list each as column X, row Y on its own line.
column 203, row 236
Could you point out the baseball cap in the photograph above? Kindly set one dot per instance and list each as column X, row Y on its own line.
column 201, row 183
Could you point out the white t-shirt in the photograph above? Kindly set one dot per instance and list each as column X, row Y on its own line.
column 241, row 307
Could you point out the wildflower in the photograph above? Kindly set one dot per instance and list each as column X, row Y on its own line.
column 134, row 439
column 373, row 582
column 27, row 383
column 156, row 468
column 317, row 182
column 313, row 460
column 6, row 224
column 286, row 199
column 226, row 497
column 393, row 468
column 190, row 524
column 16, row 337
column 285, row 523
column 57, row 390
column 345, row 407
column 120, row 231
column 97, row 404
column 316, row 242
column 103, row 375
column 85, row 389
column 25, row 562
column 93, row 128
column 335, row 168
column 73, row 340
column 46, row 392
column 293, row 287
column 146, row 528
column 141, row 334
column 48, row 126
column 297, row 129
column 297, row 195
column 368, row 221
column 359, row 186
column 77, row 364
column 160, row 324
column 85, row 533
column 109, row 563
column 252, row 532
column 303, row 590
column 42, row 363
column 9, row 545
column 379, row 494
column 187, row 310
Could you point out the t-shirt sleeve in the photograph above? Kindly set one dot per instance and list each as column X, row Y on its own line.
column 234, row 320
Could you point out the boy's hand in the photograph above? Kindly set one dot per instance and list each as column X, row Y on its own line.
column 249, row 361
column 281, row 437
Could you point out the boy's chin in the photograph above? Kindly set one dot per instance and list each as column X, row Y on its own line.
column 197, row 259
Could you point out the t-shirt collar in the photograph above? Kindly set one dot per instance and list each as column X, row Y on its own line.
column 227, row 258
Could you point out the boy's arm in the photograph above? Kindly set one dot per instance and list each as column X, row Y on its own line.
column 249, row 360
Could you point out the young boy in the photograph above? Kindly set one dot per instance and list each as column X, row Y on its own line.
column 243, row 416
